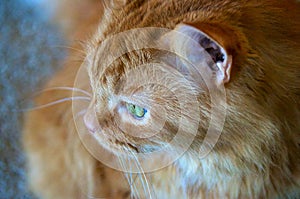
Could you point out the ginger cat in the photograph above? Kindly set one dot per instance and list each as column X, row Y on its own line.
column 250, row 49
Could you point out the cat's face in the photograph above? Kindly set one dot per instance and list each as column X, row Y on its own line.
column 145, row 97
column 130, row 111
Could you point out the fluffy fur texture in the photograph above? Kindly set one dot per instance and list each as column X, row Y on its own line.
column 257, row 155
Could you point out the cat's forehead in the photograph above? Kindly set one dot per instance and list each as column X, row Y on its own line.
column 164, row 14
column 113, row 76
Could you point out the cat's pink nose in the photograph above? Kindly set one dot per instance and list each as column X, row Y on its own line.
column 90, row 121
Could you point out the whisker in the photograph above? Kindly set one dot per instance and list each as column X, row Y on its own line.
column 128, row 176
column 64, row 88
column 133, row 180
column 57, row 102
column 142, row 176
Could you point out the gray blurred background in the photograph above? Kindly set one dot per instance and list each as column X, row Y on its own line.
column 29, row 53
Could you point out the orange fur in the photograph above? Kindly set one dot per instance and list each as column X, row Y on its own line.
column 257, row 155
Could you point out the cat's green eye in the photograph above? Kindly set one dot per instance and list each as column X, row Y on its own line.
column 135, row 110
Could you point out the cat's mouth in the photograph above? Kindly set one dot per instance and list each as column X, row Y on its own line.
column 128, row 145
column 117, row 146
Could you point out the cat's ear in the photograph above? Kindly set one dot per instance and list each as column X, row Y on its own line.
column 215, row 42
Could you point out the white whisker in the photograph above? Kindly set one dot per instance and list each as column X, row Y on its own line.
column 128, row 176
column 58, row 102
column 143, row 177
column 64, row 88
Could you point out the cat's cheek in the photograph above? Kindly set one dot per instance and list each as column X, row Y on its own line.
column 126, row 122
column 135, row 127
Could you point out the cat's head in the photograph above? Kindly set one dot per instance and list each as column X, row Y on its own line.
column 139, row 100
column 144, row 97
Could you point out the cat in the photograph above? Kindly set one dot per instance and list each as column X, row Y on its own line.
column 250, row 49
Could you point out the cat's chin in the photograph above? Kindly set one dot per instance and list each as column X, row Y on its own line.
column 114, row 145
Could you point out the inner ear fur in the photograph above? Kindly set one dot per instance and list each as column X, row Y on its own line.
column 227, row 37
column 232, row 40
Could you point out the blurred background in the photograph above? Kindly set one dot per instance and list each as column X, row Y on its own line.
column 30, row 51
